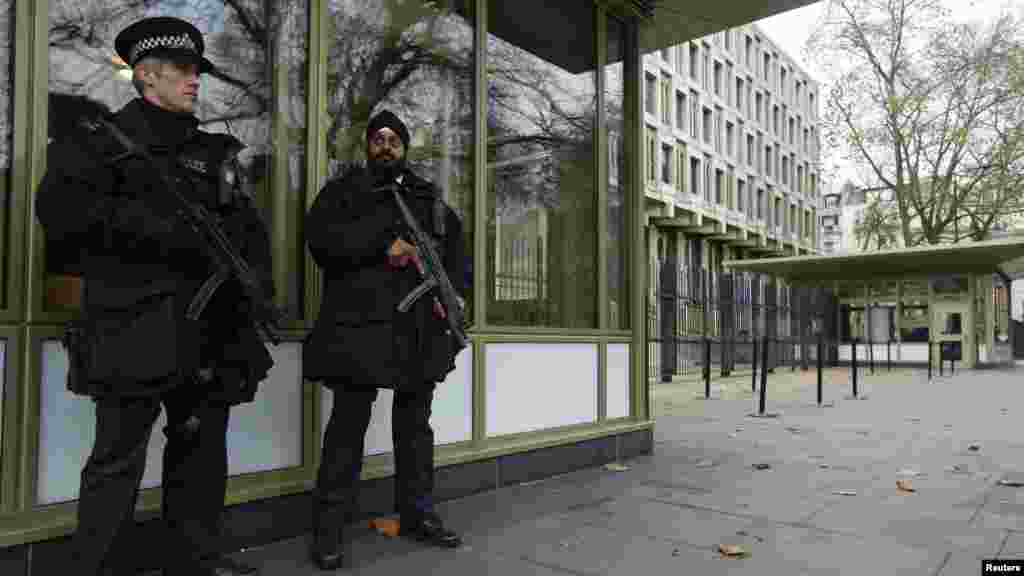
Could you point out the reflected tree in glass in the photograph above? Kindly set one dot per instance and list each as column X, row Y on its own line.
column 542, row 219
column 415, row 59
column 257, row 94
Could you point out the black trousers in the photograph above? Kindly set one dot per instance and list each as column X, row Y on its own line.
column 341, row 458
column 194, row 481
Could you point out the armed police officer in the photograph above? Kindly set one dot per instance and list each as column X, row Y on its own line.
column 142, row 263
column 361, row 342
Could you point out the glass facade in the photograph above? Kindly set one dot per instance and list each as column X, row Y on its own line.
column 523, row 127
column 256, row 95
column 541, row 186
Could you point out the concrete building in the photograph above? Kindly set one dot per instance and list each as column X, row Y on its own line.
column 731, row 148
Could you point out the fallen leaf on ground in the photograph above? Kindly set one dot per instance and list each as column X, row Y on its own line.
column 705, row 464
column 974, row 447
column 957, row 468
column 824, row 466
column 905, row 486
column 745, row 533
column 913, row 419
column 908, row 472
column 793, row 429
column 385, row 526
column 762, row 466
column 845, row 492
column 616, row 467
column 1013, row 483
column 732, row 550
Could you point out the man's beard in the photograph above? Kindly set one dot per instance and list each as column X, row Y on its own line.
column 386, row 169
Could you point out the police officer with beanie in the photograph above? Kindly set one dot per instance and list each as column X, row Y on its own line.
column 360, row 343
column 142, row 264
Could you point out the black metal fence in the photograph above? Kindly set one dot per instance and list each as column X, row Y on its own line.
column 732, row 314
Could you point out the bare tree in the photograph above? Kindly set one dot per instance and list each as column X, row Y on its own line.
column 931, row 109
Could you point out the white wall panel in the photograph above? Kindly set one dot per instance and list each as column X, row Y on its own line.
column 67, row 429
column 451, row 411
column 538, row 386
column 263, row 435
column 914, row 351
column 617, row 403
column 266, row 434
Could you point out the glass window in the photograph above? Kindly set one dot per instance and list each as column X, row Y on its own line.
column 257, row 95
column 650, row 94
column 417, row 61
column 6, row 76
column 680, row 111
column 541, row 87
column 666, row 163
column 617, row 242
column 950, row 285
column 1001, row 310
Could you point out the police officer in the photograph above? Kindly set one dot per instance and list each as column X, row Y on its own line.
column 360, row 343
column 142, row 264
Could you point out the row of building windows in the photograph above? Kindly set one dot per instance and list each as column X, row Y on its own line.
column 697, row 174
column 695, row 119
column 697, row 60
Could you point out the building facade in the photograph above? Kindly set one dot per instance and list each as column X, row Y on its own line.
column 730, row 166
column 535, row 137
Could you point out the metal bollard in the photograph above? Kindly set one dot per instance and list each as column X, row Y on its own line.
column 940, row 357
column 764, row 376
column 871, row 355
column 854, row 366
column 753, row 364
column 821, row 347
column 707, row 368
column 888, row 355
column 929, row 360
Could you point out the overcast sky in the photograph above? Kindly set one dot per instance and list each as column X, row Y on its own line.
column 791, row 29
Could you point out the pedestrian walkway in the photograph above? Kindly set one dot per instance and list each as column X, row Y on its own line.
column 906, row 482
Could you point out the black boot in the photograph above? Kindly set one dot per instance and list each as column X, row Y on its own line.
column 429, row 529
column 327, row 550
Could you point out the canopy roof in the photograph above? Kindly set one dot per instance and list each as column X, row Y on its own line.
column 988, row 257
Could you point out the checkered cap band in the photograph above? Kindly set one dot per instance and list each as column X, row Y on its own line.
column 180, row 41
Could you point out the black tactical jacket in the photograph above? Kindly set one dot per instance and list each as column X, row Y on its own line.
column 109, row 218
column 360, row 339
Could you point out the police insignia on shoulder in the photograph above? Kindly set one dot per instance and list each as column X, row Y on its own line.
column 194, row 165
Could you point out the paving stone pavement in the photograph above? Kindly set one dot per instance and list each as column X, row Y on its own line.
column 812, row 491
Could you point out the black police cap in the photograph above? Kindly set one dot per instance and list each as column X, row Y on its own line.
column 161, row 34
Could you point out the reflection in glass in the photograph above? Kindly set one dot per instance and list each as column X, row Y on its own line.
column 6, row 71
column 541, row 243
column 415, row 59
column 258, row 95
column 618, row 222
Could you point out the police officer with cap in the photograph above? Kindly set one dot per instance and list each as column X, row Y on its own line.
column 361, row 342
column 142, row 264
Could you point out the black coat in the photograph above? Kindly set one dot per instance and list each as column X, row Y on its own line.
column 360, row 339
column 109, row 218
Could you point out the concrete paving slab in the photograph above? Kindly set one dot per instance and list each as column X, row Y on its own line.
column 823, row 552
column 697, row 527
column 1013, row 546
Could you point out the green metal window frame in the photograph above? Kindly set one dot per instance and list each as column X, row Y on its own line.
column 25, row 325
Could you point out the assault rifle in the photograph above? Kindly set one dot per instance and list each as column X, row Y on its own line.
column 435, row 279
column 227, row 261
